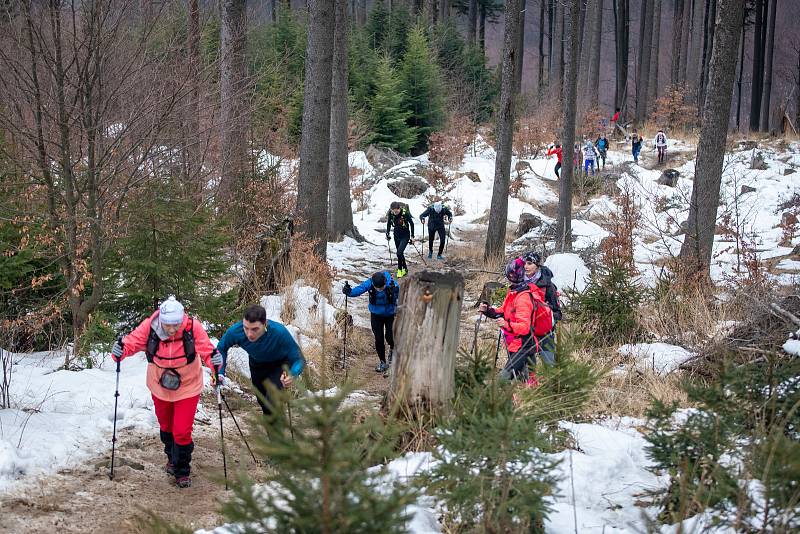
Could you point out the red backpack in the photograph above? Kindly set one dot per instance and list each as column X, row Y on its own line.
column 542, row 320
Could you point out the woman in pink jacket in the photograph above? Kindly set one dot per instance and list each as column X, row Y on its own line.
column 174, row 344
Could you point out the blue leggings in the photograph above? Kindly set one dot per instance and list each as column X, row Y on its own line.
column 587, row 163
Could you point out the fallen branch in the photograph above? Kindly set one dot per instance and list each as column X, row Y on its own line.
column 785, row 313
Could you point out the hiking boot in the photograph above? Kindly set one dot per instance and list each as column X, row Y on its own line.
column 401, row 273
column 440, row 257
column 381, row 368
column 170, row 469
column 430, row 255
column 183, row 482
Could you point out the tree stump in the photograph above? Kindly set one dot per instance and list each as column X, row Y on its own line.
column 275, row 243
column 426, row 333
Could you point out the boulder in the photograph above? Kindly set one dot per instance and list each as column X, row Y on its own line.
column 758, row 163
column 382, row 158
column 787, row 171
column 669, row 177
column 747, row 189
column 522, row 167
column 527, row 222
column 748, row 144
column 408, row 186
column 472, row 175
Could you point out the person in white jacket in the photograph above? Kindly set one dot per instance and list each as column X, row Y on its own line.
column 660, row 143
column 590, row 154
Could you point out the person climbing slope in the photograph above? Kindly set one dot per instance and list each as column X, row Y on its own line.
column 557, row 151
column 174, row 345
column 602, row 148
column 660, row 143
column 401, row 220
column 438, row 215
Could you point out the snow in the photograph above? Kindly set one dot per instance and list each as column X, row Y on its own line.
column 569, row 271
column 789, row 265
column 310, row 308
column 792, row 346
column 660, row 358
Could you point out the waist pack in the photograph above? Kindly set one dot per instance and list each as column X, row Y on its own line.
column 170, row 379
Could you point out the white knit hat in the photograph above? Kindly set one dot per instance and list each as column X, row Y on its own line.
column 170, row 311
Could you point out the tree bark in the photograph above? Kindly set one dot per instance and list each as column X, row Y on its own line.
column 564, row 223
column 312, row 185
column 541, row 82
column 698, row 243
column 482, row 27
column 584, row 55
column 769, row 50
column 551, row 28
column 426, row 333
column 652, row 85
column 560, row 63
column 644, row 61
column 739, row 80
column 444, row 10
column 758, row 69
column 520, row 58
column 685, row 33
column 233, row 105
column 677, row 30
column 621, row 34
column 362, row 12
column 708, row 43
column 498, row 214
column 472, row 21
column 192, row 153
column 695, row 52
column 594, row 65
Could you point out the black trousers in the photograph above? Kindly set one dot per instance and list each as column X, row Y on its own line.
column 400, row 243
column 558, row 170
column 439, row 230
column 262, row 372
column 382, row 324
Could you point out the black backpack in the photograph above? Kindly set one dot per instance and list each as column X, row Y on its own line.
column 391, row 294
column 153, row 342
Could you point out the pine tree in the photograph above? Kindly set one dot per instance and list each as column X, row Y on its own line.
column 387, row 115
column 422, row 86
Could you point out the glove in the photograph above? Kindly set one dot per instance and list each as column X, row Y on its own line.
column 346, row 289
column 117, row 349
column 216, row 358
column 387, row 237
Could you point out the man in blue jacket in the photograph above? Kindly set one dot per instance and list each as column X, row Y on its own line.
column 383, row 294
column 269, row 346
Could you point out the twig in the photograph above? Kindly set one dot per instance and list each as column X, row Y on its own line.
column 785, row 313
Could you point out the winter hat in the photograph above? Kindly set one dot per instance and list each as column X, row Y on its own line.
column 437, row 207
column 378, row 279
column 170, row 311
column 515, row 271
column 533, row 257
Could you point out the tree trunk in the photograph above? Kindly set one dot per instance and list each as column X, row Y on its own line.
column 698, row 243
column 340, row 216
column 708, row 43
column 739, row 80
column 677, row 30
column 564, row 223
column 560, row 63
column 685, row 33
column 362, row 12
column 758, row 70
column 233, row 106
column 426, row 333
column 695, row 52
column 472, row 21
column 655, row 49
column 769, row 49
column 541, row 82
column 312, row 185
column 551, row 28
column 584, row 55
column 621, row 33
column 644, row 61
column 192, row 152
column 482, row 27
column 521, row 50
column 498, row 214
column 444, row 10
column 594, row 65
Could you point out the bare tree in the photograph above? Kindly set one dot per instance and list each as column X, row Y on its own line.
column 769, row 52
column 708, row 44
column 593, row 87
column 564, row 222
column 695, row 51
column 655, row 53
column 621, row 37
column 498, row 214
column 677, row 30
column 520, row 57
column 643, row 77
column 542, row 81
column 697, row 245
column 741, row 73
column 233, row 98
column 312, row 186
column 756, row 86
column 472, row 21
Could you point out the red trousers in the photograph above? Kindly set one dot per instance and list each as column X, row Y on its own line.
column 177, row 417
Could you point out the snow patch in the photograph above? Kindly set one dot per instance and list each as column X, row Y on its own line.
column 661, row 358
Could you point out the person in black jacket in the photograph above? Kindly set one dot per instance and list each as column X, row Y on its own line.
column 541, row 276
column 437, row 215
column 401, row 220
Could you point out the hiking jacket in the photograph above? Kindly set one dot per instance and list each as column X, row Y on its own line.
column 545, row 283
column 517, row 312
column 276, row 345
column 662, row 141
column 436, row 220
column 589, row 152
column 403, row 222
column 380, row 302
column 601, row 144
column 170, row 355
column 558, row 151
column 636, row 141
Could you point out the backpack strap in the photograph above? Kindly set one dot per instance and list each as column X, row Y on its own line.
column 153, row 343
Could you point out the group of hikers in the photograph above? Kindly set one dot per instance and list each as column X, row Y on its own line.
column 400, row 222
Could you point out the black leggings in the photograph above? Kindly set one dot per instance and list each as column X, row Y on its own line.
column 381, row 324
column 439, row 230
column 261, row 372
column 400, row 243
column 558, row 169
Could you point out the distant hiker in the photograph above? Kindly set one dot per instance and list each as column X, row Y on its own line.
column 383, row 295
column 615, row 116
column 556, row 150
column 615, row 123
column 174, row 345
column 271, row 351
column 401, row 220
column 589, row 155
column 438, row 215
column 523, row 319
column 660, row 142
column 602, row 148
column 636, row 145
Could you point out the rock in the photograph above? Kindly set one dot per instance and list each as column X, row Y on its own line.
column 522, row 167
column 669, row 177
column 788, row 219
column 748, row 144
column 382, row 158
column 527, row 221
column 796, row 250
column 472, row 175
column 758, row 163
column 788, row 171
column 408, row 187
column 747, row 189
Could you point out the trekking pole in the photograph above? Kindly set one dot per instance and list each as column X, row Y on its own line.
column 497, row 349
column 447, row 242
column 423, row 238
column 221, row 433
column 114, row 434
column 289, row 410
column 475, row 339
column 389, row 248
column 420, row 254
column 224, row 400
column 344, row 343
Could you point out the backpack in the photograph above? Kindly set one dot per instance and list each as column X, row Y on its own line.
column 153, row 342
column 391, row 294
column 542, row 318
column 660, row 138
column 401, row 219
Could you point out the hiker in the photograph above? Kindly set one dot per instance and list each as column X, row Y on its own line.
column 383, row 295
column 542, row 277
column 602, row 148
column 174, row 345
column 589, row 155
column 556, row 150
column 273, row 354
column 660, row 142
column 636, row 145
column 401, row 220
column 523, row 318
column 438, row 215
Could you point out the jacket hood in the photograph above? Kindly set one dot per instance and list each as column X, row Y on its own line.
column 547, row 276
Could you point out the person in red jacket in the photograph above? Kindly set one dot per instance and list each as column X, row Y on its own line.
column 558, row 153
column 516, row 317
column 174, row 345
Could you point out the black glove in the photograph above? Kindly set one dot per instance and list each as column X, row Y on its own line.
column 387, row 236
column 346, row 289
